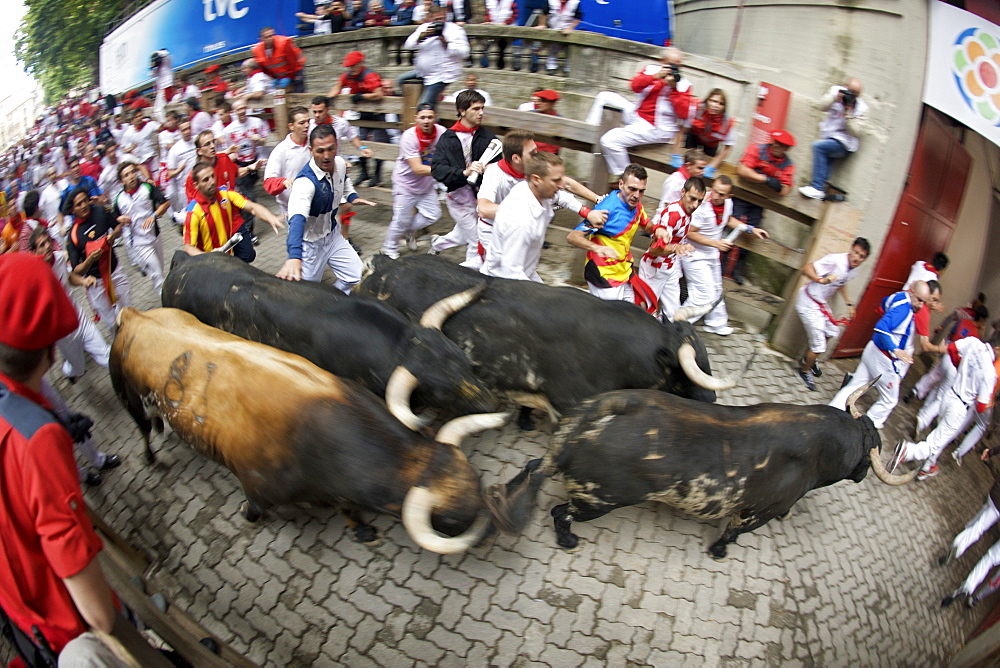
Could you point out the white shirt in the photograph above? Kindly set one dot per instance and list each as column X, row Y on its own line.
column 285, row 162
column 518, row 235
column 919, row 272
column 835, row 266
column 976, row 376
column 704, row 222
column 673, row 185
column 139, row 206
column 201, row 121
column 404, row 180
column 140, row 142
column 182, row 154
column 435, row 62
column 242, row 135
column 318, row 227
column 496, row 184
column 259, row 83
column 191, row 91
column 108, row 182
column 834, row 124
column 48, row 202
column 219, row 130
column 341, row 127
column 166, row 139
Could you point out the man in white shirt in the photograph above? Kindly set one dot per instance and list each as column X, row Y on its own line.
column 200, row 120
column 415, row 204
column 139, row 140
column 839, row 133
column 827, row 276
column 51, row 198
column 109, row 182
column 137, row 207
column 257, row 86
column 703, row 267
column 442, row 47
column 246, row 134
column 288, row 158
column 180, row 160
column 314, row 242
column 521, row 221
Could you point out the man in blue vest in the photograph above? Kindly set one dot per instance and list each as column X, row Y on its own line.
column 314, row 242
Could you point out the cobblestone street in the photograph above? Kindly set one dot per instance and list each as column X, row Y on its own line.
column 850, row 578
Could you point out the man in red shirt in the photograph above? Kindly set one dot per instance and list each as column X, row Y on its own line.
column 768, row 164
column 216, row 84
column 280, row 59
column 362, row 83
column 50, row 579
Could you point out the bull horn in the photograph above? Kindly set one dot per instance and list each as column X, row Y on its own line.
column 397, row 398
column 454, row 431
column 417, row 508
column 437, row 313
column 685, row 313
column 689, row 364
column 857, row 394
column 882, row 473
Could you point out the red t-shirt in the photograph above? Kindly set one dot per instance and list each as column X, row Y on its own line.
column 225, row 175
column 758, row 158
column 47, row 535
column 366, row 82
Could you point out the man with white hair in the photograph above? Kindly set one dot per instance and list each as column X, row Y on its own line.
column 664, row 100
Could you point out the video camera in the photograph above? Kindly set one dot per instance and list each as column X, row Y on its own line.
column 435, row 29
column 847, row 98
column 675, row 71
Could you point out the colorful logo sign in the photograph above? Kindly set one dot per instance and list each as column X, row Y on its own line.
column 975, row 64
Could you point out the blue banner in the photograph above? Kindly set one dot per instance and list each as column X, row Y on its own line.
column 192, row 30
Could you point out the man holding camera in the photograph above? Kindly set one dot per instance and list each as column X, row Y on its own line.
column 442, row 47
column 664, row 99
column 839, row 133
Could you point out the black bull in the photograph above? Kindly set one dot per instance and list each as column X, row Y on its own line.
column 354, row 338
column 747, row 463
column 527, row 338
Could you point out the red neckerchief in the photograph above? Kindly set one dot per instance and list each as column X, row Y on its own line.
column 718, row 211
column 459, row 127
column 930, row 267
column 425, row 140
column 325, row 121
column 103, row 265
column 683, row 171
column 507, row 168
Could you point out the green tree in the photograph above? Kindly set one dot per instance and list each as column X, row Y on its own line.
column 59, row 41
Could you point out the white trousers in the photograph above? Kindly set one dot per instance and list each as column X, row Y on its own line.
column 818, row 327
column 410, row 213
column 933, row 385
column 86, row 338
column 616, row 142
column 102, row 305
column 981, row 423
column 335, row 252
column 665, row 283
column 623, row 292
column 87, row 651
column 950, row 423
column 977, row 526
column 704, row 281
column 149, row 258
column 607, row 98
column 462, row 206
column 981, row 570
column 874, row 363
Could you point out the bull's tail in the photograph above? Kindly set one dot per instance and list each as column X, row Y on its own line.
column 510, row 505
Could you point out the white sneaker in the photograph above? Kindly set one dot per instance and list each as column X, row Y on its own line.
column 431, row 251
column 724, row 330
column 178, row 217
column 391, row 254
column 813, row 193
column 957, row 457
column 411, row 241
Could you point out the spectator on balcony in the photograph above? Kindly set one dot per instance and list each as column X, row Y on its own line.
column 458, row 11
column 258, row 85
column 712, row 130
column 362, row 83
column 187, row 89
column 564, row 16
column 356, row 20
column 403, row 16
column 471, row 83
column 501, row 13
column 664, row 102
column 544, row 102
column 422, row 11
column 216, row 84
column 279, row 58
column 838, row 133
column 376, row 17
column 442, row 47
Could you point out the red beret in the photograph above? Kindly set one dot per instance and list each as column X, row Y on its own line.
column 783, row 137
column 34, row 308
column 548, row 95
column 211, row 69
column 353, row 58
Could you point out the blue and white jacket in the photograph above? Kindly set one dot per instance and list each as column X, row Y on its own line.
column 312, row 206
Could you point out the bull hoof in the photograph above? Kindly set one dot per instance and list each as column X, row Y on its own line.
column 251, row 511
column 568, row 541
column 367, row 535
column 718, row 552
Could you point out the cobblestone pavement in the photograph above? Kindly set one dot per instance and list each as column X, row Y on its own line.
column 849, row 578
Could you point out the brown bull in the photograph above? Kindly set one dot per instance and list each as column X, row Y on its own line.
column 292, row 432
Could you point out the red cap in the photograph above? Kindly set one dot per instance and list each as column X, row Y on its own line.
column 211, row 69
column 783, row 137
column 548, row 95
column 353, row 58
column 34, row 308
